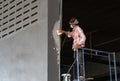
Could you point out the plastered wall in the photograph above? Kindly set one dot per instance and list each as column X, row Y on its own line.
column 23, row 40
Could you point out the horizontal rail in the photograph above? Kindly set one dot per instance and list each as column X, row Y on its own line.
column 96, row 52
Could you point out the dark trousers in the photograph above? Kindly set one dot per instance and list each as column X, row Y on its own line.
column 80, row 59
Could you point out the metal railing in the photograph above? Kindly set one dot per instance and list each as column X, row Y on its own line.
column 81, row 64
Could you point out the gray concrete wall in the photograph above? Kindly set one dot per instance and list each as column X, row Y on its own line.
column 23, row 57
column 53, row 54
column 24, row 53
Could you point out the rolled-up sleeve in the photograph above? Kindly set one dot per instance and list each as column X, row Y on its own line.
column 69, row 34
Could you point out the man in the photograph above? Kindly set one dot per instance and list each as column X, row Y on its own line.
column 77, row 34
column 79, row 39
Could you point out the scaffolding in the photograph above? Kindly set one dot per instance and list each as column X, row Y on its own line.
column 81, row 64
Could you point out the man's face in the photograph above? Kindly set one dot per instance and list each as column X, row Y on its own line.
column 72, row 25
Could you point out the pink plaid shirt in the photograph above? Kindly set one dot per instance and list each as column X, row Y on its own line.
column 78, row 36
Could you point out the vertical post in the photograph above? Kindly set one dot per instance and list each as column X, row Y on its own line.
column 74, row 65
column 110, row 67
column 78, row 70
column 83, row 62
column 74, row 71
column 115, row 71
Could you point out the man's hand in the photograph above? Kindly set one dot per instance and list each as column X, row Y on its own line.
column 59, row 32
column 76, row 46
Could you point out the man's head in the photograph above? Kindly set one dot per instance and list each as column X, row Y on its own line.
column 73, row 22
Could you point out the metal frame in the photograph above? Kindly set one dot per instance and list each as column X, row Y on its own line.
column 110, row 55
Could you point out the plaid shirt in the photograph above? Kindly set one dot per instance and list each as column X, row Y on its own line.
column 78, row 36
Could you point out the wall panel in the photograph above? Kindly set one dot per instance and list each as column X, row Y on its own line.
column 23, row 40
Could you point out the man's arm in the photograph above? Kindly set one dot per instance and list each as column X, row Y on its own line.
column 67, row 33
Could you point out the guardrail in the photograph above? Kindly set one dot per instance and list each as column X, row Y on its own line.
column 81, row 64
